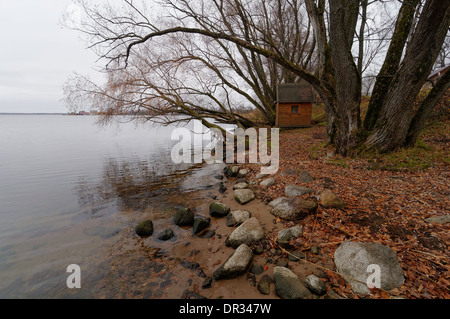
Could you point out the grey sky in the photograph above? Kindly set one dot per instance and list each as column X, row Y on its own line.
column 37, row 55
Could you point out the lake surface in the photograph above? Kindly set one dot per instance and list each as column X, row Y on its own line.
column 68, row 188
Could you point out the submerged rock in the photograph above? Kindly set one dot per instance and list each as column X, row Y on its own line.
column 236, row 265
column 144, row 228
column 243, row 196
column 353, row 259
column 250, row 231
column 166, row 234
column 288, row 285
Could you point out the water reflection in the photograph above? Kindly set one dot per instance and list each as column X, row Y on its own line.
column 133, row 184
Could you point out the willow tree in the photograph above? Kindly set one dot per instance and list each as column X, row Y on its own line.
column 179, row 77
column 391, row 122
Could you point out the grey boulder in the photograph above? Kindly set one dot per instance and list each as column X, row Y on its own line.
column 243, row 196
column 250, row 231
column 237, row 264
column 353, row 259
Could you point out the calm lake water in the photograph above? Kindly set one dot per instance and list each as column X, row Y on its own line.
column 65, row 184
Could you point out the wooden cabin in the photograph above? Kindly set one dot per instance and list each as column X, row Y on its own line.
column 294, row 105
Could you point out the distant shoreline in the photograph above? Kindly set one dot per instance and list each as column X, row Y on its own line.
column 33, row 113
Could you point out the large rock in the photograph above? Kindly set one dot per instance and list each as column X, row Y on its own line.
column 329, row 199
column 237, row 264
column 200, row 223
column 237, row 217
column 250, row 231
column 144, row 228
column 267, row 182
column 288, row 285
column 243, row 196
column 183, row 217
column 285, row 235
column 352, row 259
column 231, row 171
column 294, row 208
column 217, row 209
column 294, row 190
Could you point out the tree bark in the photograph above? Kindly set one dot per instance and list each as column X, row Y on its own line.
column 343, row 19
column 395, row 116
column 391, row 62
column 425, row 109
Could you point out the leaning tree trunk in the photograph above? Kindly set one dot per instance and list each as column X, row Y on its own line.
column 393, row 122
column 425, row 109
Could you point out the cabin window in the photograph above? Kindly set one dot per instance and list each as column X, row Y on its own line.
column 294, row 109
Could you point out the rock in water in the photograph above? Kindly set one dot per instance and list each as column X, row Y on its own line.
column 285, row 235
column 353, row 259
column 237, row 264
column 166, row 234
column 183, row 217
column 144, row 228
column 200, row 223
column 243, row 196
column 294, row 208
column 288, row 285
column 218, row 209
column 294, row 190
column 237, row 217
column 250, row 231
column 329, row 200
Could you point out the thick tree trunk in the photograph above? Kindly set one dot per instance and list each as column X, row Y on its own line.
column 343, row 19
column 425, row 109
column 395, row 116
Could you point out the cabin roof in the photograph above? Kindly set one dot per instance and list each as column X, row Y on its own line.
column 295, row 93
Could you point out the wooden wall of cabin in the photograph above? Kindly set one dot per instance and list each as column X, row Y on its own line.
column 287, row 118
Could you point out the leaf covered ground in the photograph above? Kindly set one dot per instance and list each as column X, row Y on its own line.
column 388, row 199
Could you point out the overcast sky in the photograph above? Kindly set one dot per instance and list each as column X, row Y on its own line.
column 37, row 55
